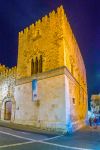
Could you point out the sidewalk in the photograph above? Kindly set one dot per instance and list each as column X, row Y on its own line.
column 27, row 128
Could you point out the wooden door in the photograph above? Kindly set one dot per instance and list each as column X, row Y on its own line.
column 8, row 108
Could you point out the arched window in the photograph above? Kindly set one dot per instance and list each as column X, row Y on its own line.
column 36, row 65
column 40, row 64
column 32, row 67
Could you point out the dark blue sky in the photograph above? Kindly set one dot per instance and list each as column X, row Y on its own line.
column 84, row 18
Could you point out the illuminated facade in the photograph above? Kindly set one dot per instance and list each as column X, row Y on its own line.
column 95, row 104
column 49, row 88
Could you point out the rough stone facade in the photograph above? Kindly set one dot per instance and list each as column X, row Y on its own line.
column 49, row 54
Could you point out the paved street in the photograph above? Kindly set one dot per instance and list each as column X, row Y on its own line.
column 85, row 139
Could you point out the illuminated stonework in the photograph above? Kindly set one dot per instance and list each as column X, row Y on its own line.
column 48, row 52
column 7, row 86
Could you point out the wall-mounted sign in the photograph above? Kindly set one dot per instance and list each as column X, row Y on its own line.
column 34, row 90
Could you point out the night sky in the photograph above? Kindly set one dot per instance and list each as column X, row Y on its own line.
column 84, row 18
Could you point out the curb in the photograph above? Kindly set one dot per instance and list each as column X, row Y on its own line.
column 28, row 128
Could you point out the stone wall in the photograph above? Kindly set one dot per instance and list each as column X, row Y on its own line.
column 48, row 111
column 58, row 105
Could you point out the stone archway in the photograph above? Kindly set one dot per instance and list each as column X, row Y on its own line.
column 8, row 110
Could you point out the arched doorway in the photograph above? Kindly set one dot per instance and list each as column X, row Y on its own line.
column 8, row 110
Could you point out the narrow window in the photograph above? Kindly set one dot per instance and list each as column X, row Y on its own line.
column 36, row 65
column 73, row 99
column 83, row 97
column 32, row 67
column 40, row 64
column 72, row 69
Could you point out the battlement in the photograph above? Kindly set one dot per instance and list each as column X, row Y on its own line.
column 2, row 68
column 6, row 72
column 58, row 17
column 52, row 16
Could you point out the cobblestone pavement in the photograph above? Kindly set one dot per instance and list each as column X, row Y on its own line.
column 84, row 139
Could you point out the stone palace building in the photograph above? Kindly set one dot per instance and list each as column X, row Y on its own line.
column 48, row 88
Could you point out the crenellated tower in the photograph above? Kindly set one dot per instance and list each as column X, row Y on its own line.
column 49, row 44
